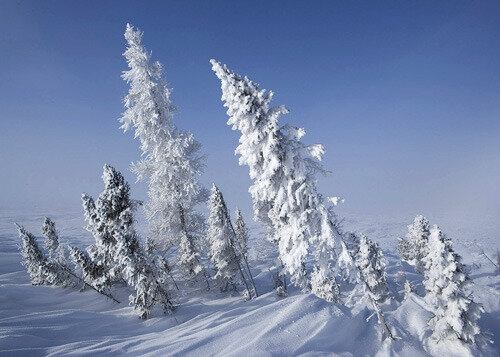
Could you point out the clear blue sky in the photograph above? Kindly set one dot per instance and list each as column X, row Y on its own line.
column 405, row 95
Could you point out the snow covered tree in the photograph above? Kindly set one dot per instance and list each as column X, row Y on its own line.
column 57, row 252
column 222, row 240
column 32, row 257
column 241, row 231
column 117, row 254
column 42, row 271
column 93, row 274
column 140, row 273
column 359, row 256
column 405, row 250
column 172, row 162
column 415, row 247
column 446, row 281
column 51, row 237
column 105, row 220
column 284, row 189
column 371, row 265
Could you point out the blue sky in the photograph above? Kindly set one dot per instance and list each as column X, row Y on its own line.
column 404, row 95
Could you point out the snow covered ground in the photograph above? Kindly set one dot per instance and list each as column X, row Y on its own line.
column 39, row 320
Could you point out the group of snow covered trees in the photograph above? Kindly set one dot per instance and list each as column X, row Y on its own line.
column 313, row 253
column 445, row 281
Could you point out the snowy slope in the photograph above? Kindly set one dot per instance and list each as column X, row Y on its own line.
column 37, row 320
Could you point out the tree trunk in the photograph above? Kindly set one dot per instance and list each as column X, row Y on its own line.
column 251, row 277
column 381, row 319
column 244, row 280
column 173, row 280
column 90, row 286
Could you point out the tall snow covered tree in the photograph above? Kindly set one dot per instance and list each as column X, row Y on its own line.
column 117, row 254
column 414, row 248
column 222, row 241
column 369, row 260
column 172, row 162
column 446, row 281
column 284, row 189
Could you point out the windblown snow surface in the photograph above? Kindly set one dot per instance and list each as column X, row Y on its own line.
column 40, row 320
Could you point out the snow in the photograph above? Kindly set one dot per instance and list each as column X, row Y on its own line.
column 41, row 320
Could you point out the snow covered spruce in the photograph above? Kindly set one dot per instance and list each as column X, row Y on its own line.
column 446, row 281
column 117, row 254
column 225, row 257
column 172, row 161
column 44, row 270
column 364, row 264
column 283, row 169
column 414, row 248
column 369, row 260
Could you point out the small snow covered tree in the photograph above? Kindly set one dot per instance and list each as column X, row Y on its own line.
column 284, row 189
column 32, row 257
column 222, row 241
column 140, row 273
column 51, row 237
column 93, row 274
column 241, row 231
column 42, row 271
column 57, row 252
column 360, row 255
column 446, row 281
column 117, row 254
column 105, row 220
column 416, row 244
column 369, row 260
column 172, row 162
column 405, row 250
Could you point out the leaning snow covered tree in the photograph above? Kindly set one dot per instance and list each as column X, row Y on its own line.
column 172, row 162
column 446, row 281
column 285, row 197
